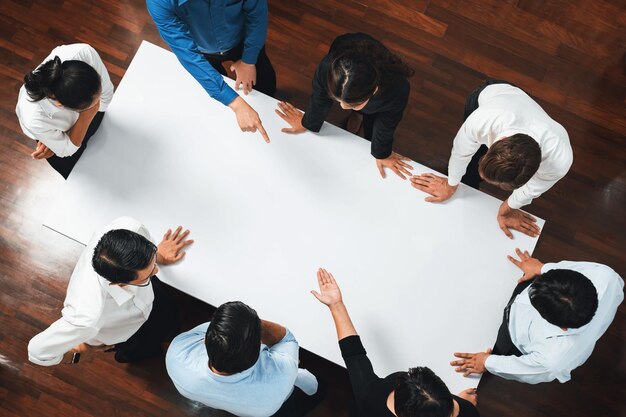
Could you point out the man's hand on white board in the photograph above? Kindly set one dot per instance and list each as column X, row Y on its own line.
column 170, row 249
column 247, row 118
column 471, row 363
column 529, row 265
column 515, row 219
column 435, row 185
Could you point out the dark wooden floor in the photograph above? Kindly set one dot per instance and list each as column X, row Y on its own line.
column 569, row 54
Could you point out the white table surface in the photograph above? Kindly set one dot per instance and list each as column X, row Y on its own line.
column 420, row 280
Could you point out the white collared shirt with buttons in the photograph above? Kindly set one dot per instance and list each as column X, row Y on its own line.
column 94, row 312
column 548, row 351
column 504, row 110
column 44, row 121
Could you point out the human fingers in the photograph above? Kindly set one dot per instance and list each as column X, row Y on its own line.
column 434, row 199
column 281, row 114
column 506, row 231
column 176, row 232
column 464, row 355
column 515, row 261
column 167, row 234
column 263, row 132
column 404, row 170
column 317, row 295
column 395, row 169
column 182, row 236
column 381, row 169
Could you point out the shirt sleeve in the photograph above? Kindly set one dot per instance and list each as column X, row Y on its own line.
column 319, row 103
column 56, row 140
column 385, row 123
column 542, row 181
column 288, row 346
column 530, row 368
column 359, row 366
column 49, row 346
column 464, row 147
column 175, row 33
column 89, row 55
column 256, row 29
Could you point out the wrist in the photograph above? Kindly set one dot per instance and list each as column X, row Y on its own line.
column 237, row 104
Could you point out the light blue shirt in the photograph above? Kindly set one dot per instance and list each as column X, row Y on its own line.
column 256, row 392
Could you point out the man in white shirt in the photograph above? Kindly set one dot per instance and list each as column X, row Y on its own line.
column 62, row 103
column 552, row 323
column 114, row 300
column 528, row 153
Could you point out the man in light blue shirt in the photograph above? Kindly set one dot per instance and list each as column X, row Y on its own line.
column 243, row 365
column 203, row 34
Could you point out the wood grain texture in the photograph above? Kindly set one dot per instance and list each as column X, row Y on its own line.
column 570, row 55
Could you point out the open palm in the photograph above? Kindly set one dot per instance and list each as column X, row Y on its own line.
column 329, row 290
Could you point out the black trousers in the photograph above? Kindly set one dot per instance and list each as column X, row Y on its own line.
column 65, row 165
column 472, row 177
column 265, row 74
column 504, row 345
column 162, row 325
column 299, row 404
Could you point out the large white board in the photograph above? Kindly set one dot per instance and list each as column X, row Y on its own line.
column 420, row 280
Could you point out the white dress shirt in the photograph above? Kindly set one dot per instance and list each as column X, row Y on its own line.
column 44, row 121
column 94, row 311
column 548, row 351
column 504, row 110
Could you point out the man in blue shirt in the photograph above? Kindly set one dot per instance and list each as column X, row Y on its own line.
column 241, row 364
column 205, row 33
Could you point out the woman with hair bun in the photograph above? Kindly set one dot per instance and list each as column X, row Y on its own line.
column 62, row 102
column 362, row 75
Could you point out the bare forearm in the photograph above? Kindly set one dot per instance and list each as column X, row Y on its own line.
column 78, row 131
column 271, row 333
column 343, row 323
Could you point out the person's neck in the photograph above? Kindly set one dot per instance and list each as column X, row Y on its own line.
column 456, row 409
column 215, row 371
column 390, row 402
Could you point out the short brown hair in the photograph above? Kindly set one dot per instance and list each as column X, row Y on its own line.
column 511, row 162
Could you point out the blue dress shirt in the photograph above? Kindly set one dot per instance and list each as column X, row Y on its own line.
column 259, row 391
column 193, row 27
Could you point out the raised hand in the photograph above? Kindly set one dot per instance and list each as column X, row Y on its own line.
column 329, row 294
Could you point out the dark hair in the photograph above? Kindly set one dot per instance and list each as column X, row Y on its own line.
column 72, row 83
column 511, row 161
column 120, row 253
column 564, row 298
column 421, row 393
column 233, row 339
column 354, row 75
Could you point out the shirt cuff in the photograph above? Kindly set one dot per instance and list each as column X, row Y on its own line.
column 227, row 96
column 46, row 362
column 491, row 363
column 514, row 203
column 351, row 346
column 454, row 180
column 250, row 55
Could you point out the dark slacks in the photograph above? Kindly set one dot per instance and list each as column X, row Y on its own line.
column 65, row 165
column 265, row 74
column 162, row 325
column 504, row 344
column 472, row 177
column 299, row 404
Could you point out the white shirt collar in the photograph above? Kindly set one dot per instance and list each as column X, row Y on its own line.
column 49, row 108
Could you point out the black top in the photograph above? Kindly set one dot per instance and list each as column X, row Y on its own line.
column 387, row 105
column 370, row 391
